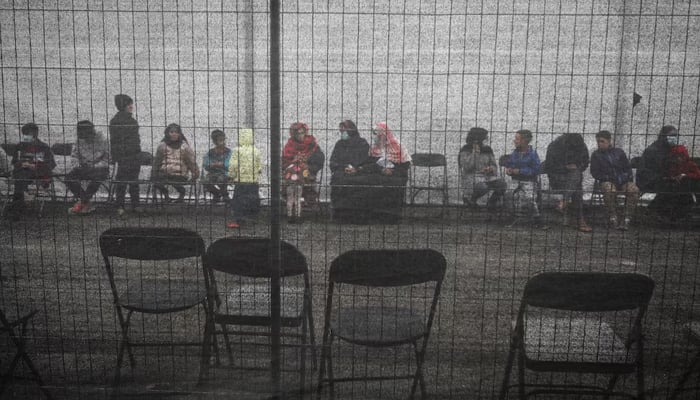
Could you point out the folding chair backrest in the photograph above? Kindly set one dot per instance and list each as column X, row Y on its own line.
column 428, row 160
column 250, row 257
column 588, row 291
column 388, row 267
column 136, row 243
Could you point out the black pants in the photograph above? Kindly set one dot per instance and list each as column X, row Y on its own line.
column 160, row 181
column 674, row 199
column 246, row 200
column 95, row 176
column 127, row 173
column 571, row 185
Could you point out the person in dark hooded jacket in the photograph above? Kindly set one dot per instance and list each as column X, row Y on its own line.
column 348, row 154
column 567, row 158
column 125, row 146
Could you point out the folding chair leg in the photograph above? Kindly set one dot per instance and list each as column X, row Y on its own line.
column 684, row 378
column 521, row 374
column 206, row 347
column 302, row 361
column 509, row 368
column 228, row 344
column 611, row 385
column 418, row 377
column 312, row 334
column 331, row 379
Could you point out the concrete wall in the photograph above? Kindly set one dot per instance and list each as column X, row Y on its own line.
column 431, row 69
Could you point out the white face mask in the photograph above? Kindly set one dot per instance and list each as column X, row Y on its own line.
column 672, row 140
column 27, row 138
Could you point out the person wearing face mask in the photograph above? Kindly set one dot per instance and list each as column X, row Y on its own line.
column 349, row 153
column 90, row 162
column 32, row 161
column 651, row 174
column 479, row 170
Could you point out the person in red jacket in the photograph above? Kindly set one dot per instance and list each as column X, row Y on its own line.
column 682, row 176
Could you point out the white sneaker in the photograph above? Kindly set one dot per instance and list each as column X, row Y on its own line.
column 121, row 211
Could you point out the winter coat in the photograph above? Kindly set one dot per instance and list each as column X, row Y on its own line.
column 244, row 165
column 213, row 156
column 37, row 153
column 568, row 148
column 471, row 163
column 652, row 165
column 352, row 151
column 124, row 138
column 91, row 154
column 611, row 166
column 528, row 164
column 4, row 162
column 175, row 161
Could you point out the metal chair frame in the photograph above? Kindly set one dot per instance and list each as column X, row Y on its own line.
column 579, row 292
column 429, row 160
column 249, row 258
column 153, row 244
column 382, row 269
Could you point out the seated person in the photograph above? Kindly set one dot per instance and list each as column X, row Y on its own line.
column 479, row 171
column 349, row 153
column 523, row 166
column 302, row 158
column 376, row 192
column 567, row 158
column 90, row 162
column 244, row 170
column 611, row 168
column 32, row 161
column 173, row 163
column 682, row 177
column 216, row 166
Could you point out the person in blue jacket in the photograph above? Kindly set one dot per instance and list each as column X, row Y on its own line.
column 216, row 164
column 523, row 166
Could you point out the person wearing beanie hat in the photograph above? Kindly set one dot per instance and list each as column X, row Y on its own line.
column 244, row 170
column 216, row 166
column 479, row 170
column 32, row 161
column 90, row 162
column 125, row 145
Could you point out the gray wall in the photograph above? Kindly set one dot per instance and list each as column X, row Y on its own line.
column 432, row 70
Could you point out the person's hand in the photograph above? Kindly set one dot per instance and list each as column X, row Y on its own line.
column 350, row 170
column 509, row 171
column 571, row 167
column 387, row 171
column 487, row 169
column 678, row 178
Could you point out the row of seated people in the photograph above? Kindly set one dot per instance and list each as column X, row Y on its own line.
column 367, row 182
column 665, row 169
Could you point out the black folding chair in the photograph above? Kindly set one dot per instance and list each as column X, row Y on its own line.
column 429, row 161
column 17, row 330
column 246, row 302
column 370, row 319
column 154, row 295
column 568, row 322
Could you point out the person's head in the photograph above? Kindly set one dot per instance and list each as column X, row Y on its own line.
column 522, row 139
column 30, row 132
column 380, row 132
column 476, row 135
column 124, row 103
column 173, row 134
column 603, row 139
column 348, row 129
column 246, row 137
column 670, row 134
column 86, row 130
column 218, row 137
column 298, row 130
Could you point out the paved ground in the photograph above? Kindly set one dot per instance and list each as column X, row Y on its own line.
column 53, row 264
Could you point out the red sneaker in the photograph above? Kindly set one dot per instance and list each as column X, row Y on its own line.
column 233, row 225
column 76, row 209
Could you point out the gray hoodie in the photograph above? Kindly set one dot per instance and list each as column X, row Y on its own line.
column 91, row 154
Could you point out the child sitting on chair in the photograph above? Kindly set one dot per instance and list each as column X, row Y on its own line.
column 523, row 166
column 174, row 163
